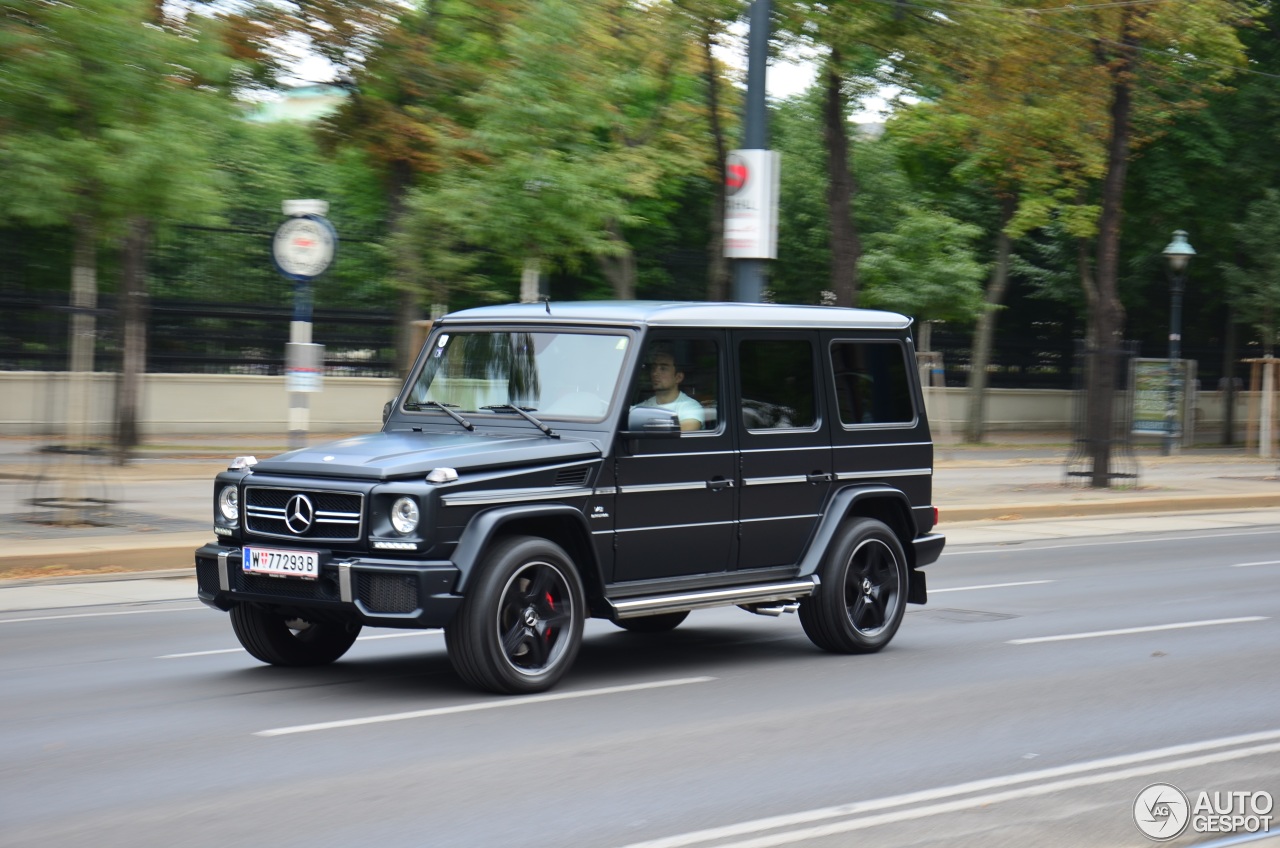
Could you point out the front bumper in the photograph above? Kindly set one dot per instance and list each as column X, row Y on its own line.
column 382, row 593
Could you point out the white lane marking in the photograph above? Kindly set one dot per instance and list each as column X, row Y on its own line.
column 97, row 614
column 820, row 831
column 1252, row 564
column 200, row 653
column 990, row 586
column 1144, row 762
column 517, row 701
column 1030, row 544
column 1179, row 626
column 358, row 639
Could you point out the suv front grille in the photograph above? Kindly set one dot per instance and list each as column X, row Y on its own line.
column 295, row 513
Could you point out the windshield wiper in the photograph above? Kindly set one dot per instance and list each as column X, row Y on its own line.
column 524, row 413
column 435, row 404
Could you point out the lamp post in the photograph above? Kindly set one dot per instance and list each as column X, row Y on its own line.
column 1179, row 253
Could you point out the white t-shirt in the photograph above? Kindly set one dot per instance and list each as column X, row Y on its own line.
column 683, row 406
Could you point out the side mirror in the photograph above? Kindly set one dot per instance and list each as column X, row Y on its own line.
column 650, row 422
column 386, row 410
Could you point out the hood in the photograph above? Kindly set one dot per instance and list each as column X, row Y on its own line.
column 384, row 456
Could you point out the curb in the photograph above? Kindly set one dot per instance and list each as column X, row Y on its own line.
column 172, row 553
column 1127, row 506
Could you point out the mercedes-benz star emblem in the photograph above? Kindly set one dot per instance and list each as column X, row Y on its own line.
column 298, row 514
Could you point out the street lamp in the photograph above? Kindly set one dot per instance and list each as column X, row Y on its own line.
column 1179, row 253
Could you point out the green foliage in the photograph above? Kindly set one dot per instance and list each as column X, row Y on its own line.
column 260, row 166
column 1254, row 285
column 924, row 267
column 105, row 115
column 585, row 119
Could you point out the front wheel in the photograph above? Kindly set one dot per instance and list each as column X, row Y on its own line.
column 520, row 626
column 278, row 640
column 863, row 594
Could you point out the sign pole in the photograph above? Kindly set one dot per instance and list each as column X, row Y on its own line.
column 303, row 248
column 751, row 184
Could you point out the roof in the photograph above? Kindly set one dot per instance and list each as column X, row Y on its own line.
column 685, row 314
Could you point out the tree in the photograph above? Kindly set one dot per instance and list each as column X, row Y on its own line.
column 925, row 268
column 1098, row 74
column 409, row 107
column 595, row 107
column 710, row 19
column 1254, row 285
column 1012, row 118
column 105, row 116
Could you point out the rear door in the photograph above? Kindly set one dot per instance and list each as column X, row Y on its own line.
column 785, row 459
column 879, row 432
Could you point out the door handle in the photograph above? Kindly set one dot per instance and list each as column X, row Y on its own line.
column 819, row 477
column 719, row 483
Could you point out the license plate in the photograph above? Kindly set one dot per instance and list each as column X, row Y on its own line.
column 278, row 562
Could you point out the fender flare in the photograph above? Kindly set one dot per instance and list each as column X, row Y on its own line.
column 836, row 512
column 482, row 528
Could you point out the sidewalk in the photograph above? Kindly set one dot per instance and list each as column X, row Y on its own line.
column 160, row 504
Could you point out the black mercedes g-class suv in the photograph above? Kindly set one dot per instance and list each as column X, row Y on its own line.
column 545, row 463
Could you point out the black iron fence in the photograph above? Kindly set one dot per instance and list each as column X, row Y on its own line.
column 243, row 331
column 186, row 336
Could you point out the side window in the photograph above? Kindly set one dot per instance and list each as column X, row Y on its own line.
column 683, row 376
column 871, row 383
column 777, row 384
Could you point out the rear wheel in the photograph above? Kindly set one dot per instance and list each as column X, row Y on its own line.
column 278, row 640
column 520, row 626
column 660, row 623
column 863, row 594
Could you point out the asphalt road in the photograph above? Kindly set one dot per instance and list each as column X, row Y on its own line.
column 1008, row 711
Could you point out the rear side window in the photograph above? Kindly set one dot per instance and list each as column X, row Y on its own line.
column 871, row 383
column 777, row 384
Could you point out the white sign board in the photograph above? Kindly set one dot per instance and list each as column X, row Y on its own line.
column 751, row 204
column 304, row 367
column 304, row 247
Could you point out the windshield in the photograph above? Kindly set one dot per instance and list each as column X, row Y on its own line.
column 555, row 374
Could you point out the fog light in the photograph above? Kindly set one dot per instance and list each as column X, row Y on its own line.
column 404, row 516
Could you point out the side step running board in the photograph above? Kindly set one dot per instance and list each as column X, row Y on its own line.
column 736, row 595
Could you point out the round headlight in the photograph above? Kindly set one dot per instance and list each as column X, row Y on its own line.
column 404, row 516
column 229, row 503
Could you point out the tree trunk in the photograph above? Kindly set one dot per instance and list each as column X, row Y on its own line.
column 1107, row 314
column 133, row 322
column 846, row 247
column 531, row 279
column 984, row 333
column 620, row 268
column 409, row 302
column 84, row 303
column 1228, row 382
column 718, row 276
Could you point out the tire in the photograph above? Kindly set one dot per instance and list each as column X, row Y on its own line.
column 520, row 626
column 863, row 593
column 661, row 623
column 290, row 642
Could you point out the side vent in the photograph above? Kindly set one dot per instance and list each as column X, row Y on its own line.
column 572, row 477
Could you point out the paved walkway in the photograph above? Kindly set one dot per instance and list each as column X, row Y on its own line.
column 157, row 509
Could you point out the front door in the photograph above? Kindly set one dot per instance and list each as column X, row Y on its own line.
column 675, row 508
